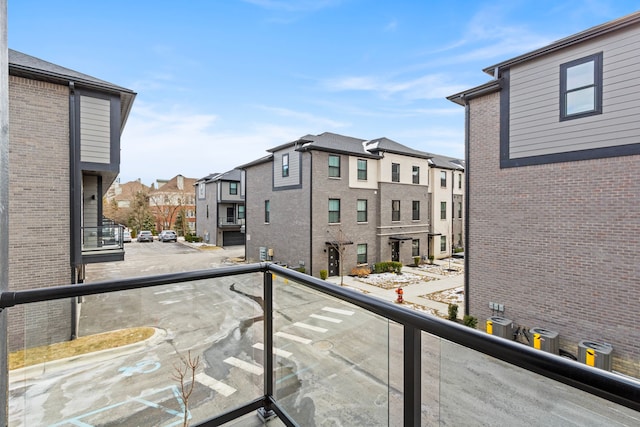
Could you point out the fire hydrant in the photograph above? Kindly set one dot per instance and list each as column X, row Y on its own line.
column 400, row 292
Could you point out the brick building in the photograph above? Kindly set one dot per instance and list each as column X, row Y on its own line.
column 553, row 194
column 64, row 152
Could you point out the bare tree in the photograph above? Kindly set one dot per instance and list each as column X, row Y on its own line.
column 186, row 387
column 339, row 242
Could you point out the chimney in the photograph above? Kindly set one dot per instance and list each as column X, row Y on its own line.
column 180, row 182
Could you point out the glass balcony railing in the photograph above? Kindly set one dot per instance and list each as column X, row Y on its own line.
column 268, row 342
column 102, row 238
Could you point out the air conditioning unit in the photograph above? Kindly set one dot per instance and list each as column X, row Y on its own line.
column 545, row 340
column 500, row 327
column 596, row 354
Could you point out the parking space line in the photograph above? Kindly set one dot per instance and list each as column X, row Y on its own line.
column 276, row 351
column 246, row 366
column 326, row 318
column 214, row 384
column 293, row 337
column 338, row 311
column 310, row 327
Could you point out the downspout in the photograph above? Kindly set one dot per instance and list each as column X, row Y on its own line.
column 4, row 209
column 467, row 114
column 77, row 271
column 311, row 211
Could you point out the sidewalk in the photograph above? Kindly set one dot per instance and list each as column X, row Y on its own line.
column 415, row 290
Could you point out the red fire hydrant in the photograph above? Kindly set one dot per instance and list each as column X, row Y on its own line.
column 400, row 292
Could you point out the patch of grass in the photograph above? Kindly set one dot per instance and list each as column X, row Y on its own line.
column 82, row 345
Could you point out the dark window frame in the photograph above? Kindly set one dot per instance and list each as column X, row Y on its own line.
column 395, row 212
column 285, row 165
column 415, row 247
column 596, row 85
column 334, row 171
column 361, row 258
column 233, row 188
column 443, row 210
column 395, row 172
column 360, row 212
column 415, row 174
column 415, row 210
column 362, row 172
column 267, row 211
column 334, row 215
column 443, row 179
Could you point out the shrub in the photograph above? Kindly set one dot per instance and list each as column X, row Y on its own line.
column 458, row 250
column 453, row 312
column 387, row 267
column 301, row 269
column 470, row 321
column 431, row 258
column 360, row 271
column 324, row 274
column 416, row 260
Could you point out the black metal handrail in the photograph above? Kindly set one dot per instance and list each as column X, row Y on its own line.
column 615, row 388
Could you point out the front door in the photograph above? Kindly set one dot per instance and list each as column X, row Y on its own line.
column 334, row 261
column 395, row 250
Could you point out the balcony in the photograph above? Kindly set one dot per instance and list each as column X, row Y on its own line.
column 275, row 344
column 230, row 222
column 102, row 243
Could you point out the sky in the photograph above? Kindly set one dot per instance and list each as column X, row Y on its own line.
column 220, row 82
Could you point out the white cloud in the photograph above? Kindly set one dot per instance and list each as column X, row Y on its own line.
column 161, row 144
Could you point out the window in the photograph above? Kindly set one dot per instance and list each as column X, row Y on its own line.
column 201, row 190
column 233, row 188
column 285, row 165
column 267, row 211
column 443, row 210
column 443, row 243
column 362, row 210
column 460, row 181
column 334, row 166
column 581, row 87
column 362, row 253
column 241, row 212
column 459, row 209
column 415, row 175
column 395, row 210
column 334, row 211
column 395, row 172
column 362, row 169
column 207, row 211
column 415, row 210
column 443, row 179
column 415, row 247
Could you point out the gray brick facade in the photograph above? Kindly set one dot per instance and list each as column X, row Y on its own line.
column 39, row 246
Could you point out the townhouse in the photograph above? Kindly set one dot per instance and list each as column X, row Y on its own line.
column 553, row 195
column 64, row 152
column 172, row 202
column 220, row 208
column 347, row 201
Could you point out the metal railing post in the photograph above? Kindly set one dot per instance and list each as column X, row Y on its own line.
column 266, row 413
column 412, row 376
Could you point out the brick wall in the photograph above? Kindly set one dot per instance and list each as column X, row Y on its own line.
column 557, row 244
column 39, row 223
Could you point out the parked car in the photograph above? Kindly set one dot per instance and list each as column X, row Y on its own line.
column 126, row 236
column 168, row 236
column 145, row 236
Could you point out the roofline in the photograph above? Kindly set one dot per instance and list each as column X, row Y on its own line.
column 593, row 32
column 461, row 98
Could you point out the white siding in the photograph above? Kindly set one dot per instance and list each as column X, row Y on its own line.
column 534, row 126
column 95, row 135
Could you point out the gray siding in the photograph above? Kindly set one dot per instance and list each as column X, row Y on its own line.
column 294, row 178
column 95, row 135
column 535, row 128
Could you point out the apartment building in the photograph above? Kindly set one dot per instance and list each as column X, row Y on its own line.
column 173, row 201
column 446, row 175
column 220, row 208
column 553, row 195
column 347, row 201
column 64, row 152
